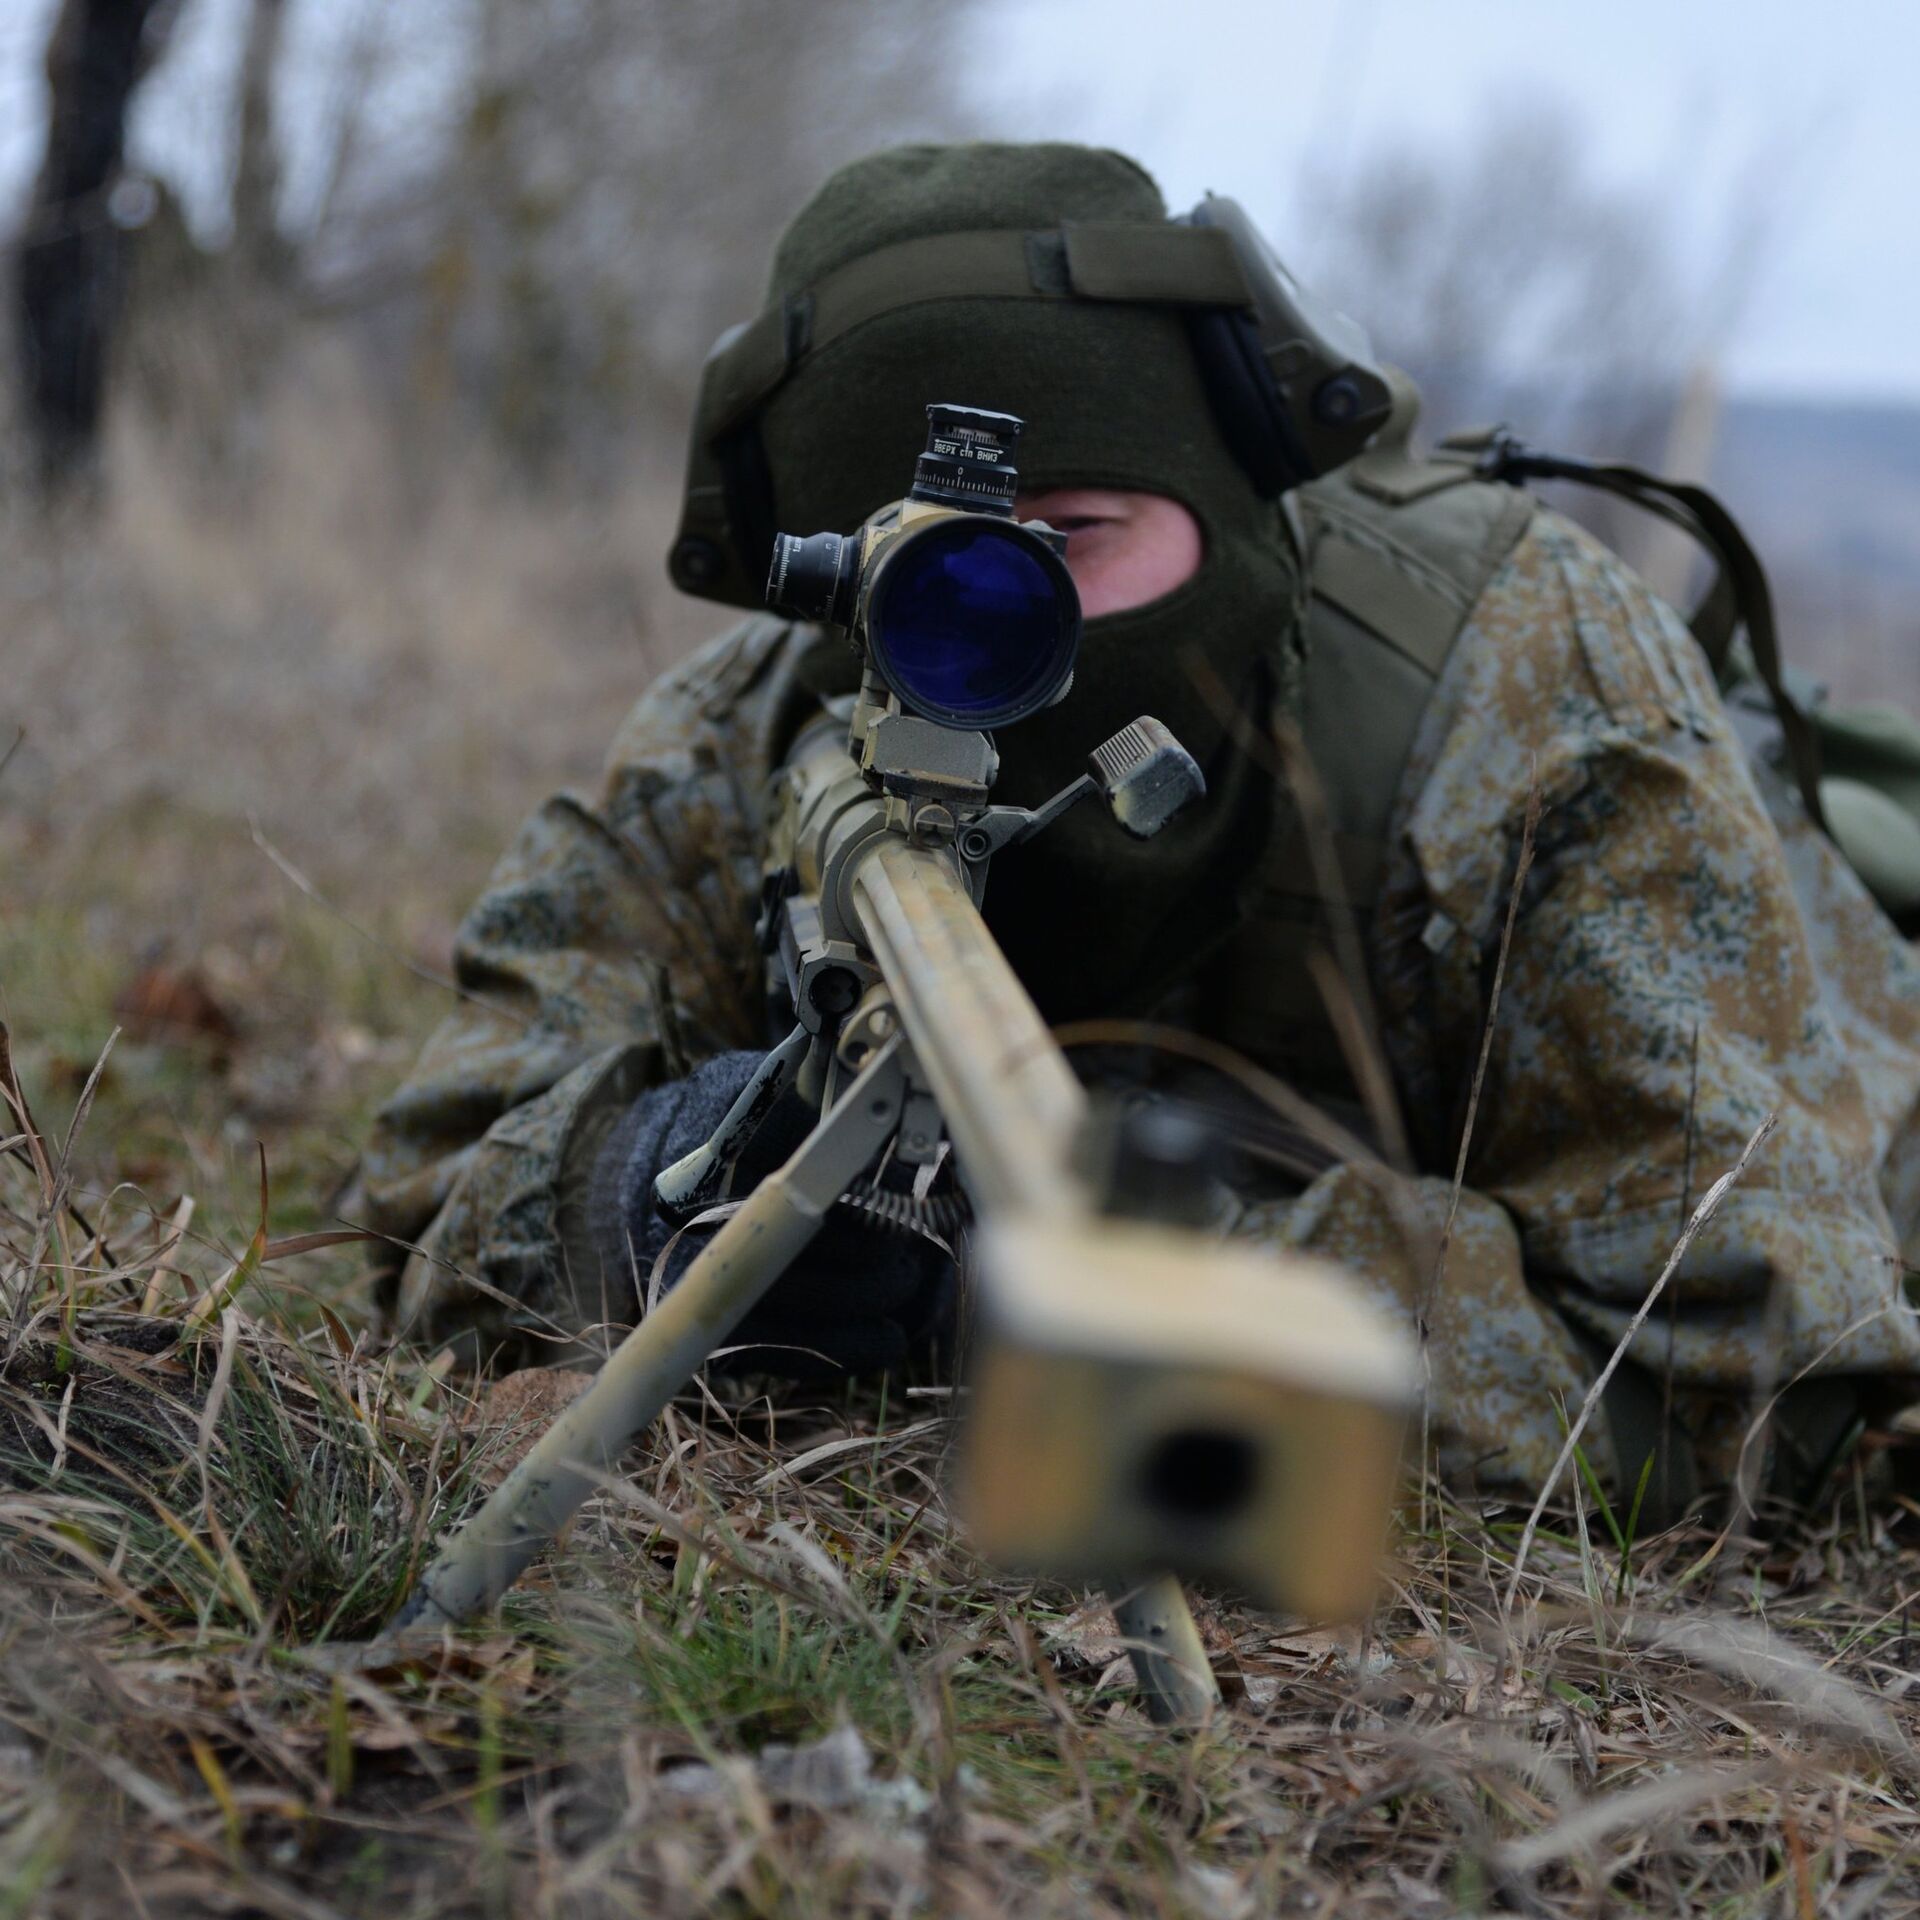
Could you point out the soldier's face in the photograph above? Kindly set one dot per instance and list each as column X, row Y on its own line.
column 1123, row 549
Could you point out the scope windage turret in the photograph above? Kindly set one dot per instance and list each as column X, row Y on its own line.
column 968, row 461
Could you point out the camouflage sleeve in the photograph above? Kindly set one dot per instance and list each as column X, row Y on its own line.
column 612, row 947
column 1678, row 971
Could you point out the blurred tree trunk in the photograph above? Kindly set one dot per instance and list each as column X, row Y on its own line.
column 68, row 267
column 256, row 178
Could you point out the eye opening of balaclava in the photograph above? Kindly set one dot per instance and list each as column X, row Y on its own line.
column 1112, row 398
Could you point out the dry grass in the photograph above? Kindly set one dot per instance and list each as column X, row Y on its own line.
column 387, row 667
column 745, row 1685
column 757, row 1685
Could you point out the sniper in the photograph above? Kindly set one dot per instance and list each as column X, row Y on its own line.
column 1511, row 872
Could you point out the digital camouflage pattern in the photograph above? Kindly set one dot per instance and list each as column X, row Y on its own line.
column 1680, row 968
column 1688, row 957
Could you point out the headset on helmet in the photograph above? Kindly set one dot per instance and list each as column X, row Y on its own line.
column 1293, row 384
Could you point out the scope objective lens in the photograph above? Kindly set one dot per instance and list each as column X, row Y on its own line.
column 974, row 622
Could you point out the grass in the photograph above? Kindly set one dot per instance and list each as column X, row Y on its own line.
column 744, row 1690
column 737, row 1688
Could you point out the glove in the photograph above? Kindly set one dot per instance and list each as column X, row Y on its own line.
column 861, row 1297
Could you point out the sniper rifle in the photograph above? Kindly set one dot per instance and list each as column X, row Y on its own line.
column 1143, row 1397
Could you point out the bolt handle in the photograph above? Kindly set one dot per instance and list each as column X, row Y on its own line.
column 1146, row 776
column 1143, row 774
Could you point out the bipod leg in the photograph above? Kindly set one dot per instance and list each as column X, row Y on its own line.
column 750, row 1251
column 1169, row 1662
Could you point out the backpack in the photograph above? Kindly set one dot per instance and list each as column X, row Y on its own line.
column 1870, row 786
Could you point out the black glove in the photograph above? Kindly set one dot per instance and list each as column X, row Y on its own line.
column 861, row 1297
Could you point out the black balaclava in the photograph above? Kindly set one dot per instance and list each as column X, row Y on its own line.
column 1094, row 922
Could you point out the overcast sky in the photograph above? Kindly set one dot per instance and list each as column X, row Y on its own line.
column 1817, row 104
column 1822, row 102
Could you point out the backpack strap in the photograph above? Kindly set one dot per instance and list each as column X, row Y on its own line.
column 1739, row 597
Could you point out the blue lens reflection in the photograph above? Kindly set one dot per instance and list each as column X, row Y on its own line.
column 971, row 626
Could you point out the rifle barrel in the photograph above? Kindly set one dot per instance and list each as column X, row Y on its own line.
column 1014, row 1110
column 1009, row 1099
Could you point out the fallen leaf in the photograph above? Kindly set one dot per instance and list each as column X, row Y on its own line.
column 174, row 1004
column 1087, row 1641
column 1315, row 1647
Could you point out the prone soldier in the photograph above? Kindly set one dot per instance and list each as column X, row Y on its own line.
column 1262, row 556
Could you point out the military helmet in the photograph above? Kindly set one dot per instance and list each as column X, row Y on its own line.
column 1173, row 355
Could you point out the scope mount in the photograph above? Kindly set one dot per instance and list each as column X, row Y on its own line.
column 936, row 781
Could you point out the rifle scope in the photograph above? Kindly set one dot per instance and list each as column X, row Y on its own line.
column 967, row 615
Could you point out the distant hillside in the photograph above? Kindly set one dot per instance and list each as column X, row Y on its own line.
column 1831, row 496
column 1830, row 487
column 1828, row 492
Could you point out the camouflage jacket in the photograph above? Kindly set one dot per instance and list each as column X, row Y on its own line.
column 1688, row 956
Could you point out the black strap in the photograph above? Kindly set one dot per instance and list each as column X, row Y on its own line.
column 1130, row 262
column 1739, row 598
